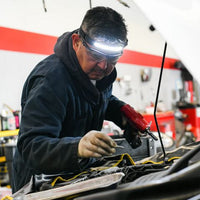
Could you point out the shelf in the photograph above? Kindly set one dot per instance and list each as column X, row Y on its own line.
column 2, row 159
column 9, row 133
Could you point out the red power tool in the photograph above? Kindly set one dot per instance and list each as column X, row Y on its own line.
column 137, row 120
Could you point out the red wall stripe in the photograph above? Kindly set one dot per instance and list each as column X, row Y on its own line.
column 138, row 58
column 24, row 41
column 29, row 42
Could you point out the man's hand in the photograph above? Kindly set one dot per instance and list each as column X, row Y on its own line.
column 96, row 144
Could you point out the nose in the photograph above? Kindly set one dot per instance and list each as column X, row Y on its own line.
column 102, row 64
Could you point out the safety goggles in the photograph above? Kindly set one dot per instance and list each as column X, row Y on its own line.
column 101, row 51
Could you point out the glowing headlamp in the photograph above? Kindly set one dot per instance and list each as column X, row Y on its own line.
column 104, row 46
column 108, row 48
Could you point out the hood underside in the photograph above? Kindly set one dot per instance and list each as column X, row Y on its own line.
column 178, row 21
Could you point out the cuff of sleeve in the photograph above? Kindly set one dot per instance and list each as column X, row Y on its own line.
column 81, row 163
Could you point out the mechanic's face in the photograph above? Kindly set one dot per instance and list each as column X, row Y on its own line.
column 95, row 65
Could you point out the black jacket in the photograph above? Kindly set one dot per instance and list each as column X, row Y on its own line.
column 59, row 105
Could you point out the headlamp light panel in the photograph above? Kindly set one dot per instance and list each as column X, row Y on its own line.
column 104, row 46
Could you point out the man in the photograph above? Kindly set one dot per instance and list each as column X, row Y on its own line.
column 66, row 98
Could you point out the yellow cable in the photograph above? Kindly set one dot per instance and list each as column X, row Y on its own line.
column 121, row 158
column 66, row 180
column 115, row 164
column 94, row 169
column 153, row 162
column 173, row 158
column 103, row 168
column 160, row 162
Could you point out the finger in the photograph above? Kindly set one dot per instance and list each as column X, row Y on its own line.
column 103, row 145
column 96, row 152
column 100, row 150
column 106, row 138
column 87, row 154
column 92, row 154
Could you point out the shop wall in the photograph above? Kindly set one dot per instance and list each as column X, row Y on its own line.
column 31, row 33
column 143, row 94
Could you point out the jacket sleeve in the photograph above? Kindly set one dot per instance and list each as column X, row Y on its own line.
column 39, row 141
column 113, row 112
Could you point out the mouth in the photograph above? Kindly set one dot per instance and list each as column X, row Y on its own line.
column 97, row 74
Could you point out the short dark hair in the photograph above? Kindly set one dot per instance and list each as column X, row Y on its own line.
column 104, row 21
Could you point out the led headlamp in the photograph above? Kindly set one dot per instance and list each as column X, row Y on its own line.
column 104, row 46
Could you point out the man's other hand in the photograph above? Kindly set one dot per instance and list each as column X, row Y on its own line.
column 96, row 144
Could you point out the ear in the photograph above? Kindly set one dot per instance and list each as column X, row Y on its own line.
column 76, row 41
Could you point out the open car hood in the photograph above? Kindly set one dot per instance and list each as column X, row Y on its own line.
column 178, row 21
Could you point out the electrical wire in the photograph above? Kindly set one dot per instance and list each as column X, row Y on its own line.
column 156, row 102
column 101, row 168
